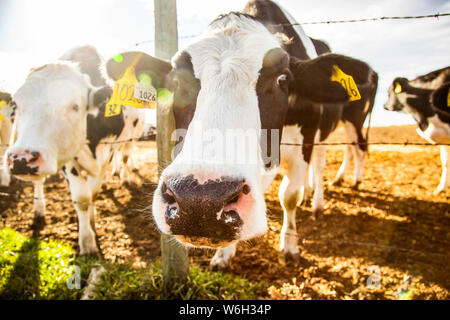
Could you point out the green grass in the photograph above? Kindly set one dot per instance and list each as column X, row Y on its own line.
column 33, row 269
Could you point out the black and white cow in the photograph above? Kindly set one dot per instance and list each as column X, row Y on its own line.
column 6, row 131
column 61, row 126
column 239, row 89
column 413, row 97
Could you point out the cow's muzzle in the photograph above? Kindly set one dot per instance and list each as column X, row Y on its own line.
column 205, row 213
column 24, row 162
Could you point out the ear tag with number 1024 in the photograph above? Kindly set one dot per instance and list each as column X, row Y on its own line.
column 347, row 82
column 123, row 94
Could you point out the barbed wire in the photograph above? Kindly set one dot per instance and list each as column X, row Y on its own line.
column 436, row 15
column 385, row 18
column 405, row 143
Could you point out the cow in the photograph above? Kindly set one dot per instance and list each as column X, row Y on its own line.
column 6, row 130
column 60, row 112
column 90, row 63
column 413, row 97
column 249, row 77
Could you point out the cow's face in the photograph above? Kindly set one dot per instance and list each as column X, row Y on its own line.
column 397, row 95
column 52, row 107
column 228, row 87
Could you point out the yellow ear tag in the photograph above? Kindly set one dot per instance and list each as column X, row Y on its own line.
column 398, row 88
column 347, row 82
column 448, row 98
column 143, row 90
column 2, row 104
column 123, row 94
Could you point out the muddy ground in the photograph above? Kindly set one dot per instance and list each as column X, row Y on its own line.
column 393, row 229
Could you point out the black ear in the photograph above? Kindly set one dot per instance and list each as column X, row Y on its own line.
column 440, row 98
column 5, row 96
column 312, row 78
column 98, row 97
column 156, row 68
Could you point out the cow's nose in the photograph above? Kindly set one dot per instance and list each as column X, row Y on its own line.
column 24, row 162
column 206, row 209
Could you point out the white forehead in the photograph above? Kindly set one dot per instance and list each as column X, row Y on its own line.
column 54, row 84
column 234, row 45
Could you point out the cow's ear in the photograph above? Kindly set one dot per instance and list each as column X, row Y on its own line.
column 440, row 98
column 98, row 97
column 144, row 63
column 312, row 78
column 400, row 84
column 5, row 96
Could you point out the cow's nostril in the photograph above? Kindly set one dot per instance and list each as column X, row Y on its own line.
column 171, row 212
column 230, row 216
column 167, row 195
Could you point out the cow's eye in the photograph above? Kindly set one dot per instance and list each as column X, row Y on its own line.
column 282, row 79
column 75, row 107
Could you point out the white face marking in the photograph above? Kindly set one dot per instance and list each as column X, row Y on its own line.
column 227, row 60
column 47, row 120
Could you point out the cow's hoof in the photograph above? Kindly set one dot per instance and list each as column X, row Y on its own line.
column 316, row 214
column 218, row 263
column 337, row 182
column 289, row 258
column 92, row 253
column 356, row 185
column 223, row 267
column 38, row 223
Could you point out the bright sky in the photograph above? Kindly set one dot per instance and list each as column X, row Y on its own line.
column 36, row 32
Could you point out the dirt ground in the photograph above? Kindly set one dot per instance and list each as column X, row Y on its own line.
column 390, row 239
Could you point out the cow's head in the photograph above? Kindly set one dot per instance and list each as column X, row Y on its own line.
column 51, row 110
column 229, row 85
column 398, row 95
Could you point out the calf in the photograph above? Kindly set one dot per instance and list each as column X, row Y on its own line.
column 6, row 130
column 62, row 126
column 237, row 91
column 413, row 97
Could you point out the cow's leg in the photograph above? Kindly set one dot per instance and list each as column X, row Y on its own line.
column 344, row 166
column 82, row 198
column 318, row 162
column 359, row 153
column 445, row 177
column 308, row 187
column 6, row 132
column 223, row 256
column 39, row 205
column 6, row 177
column 288, row 194
column 125, row 169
